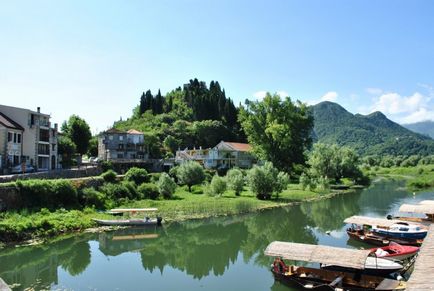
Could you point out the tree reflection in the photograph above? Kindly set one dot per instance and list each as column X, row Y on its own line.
column 36, row 267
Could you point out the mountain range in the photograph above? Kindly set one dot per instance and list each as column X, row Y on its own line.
column 372, row 134
column 424, row 127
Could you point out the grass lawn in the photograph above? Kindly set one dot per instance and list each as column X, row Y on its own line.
column 186, row 205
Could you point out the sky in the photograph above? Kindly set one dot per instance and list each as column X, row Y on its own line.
column 95, row 58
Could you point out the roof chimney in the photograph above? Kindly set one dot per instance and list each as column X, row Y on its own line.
column 39, row 109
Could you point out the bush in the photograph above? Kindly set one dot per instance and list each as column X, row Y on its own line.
column 95, row 198
column 282, row 183
column 106, row 165
column 148, row 191
column 261, row 180
column 47, row 193
column 217, row 186
column 109, row 176
column 235, row 180
column 137, row 175
column 305, row 181
column 166, row 186
column 190, row 173
column 154, row 177
column 117, row 191
column 197, row 189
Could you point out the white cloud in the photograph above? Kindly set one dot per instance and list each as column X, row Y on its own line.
column 374, row 91
column 330, row 96
column 260, row 95
column 420, row 115
column 393, row 103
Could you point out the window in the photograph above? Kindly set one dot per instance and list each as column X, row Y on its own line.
column 121, row 138
column 18, row 138
column 16, row 160
column 53, row 147
column 10, row 135
column 110, row 137
column 15, row 138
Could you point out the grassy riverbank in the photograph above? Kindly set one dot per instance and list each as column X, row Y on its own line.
column 418, row 178
column 24, row 225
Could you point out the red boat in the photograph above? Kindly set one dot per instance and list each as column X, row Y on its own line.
column 395, row 252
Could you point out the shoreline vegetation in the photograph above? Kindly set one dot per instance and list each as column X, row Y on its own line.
column 26, row 227
column 58, row 214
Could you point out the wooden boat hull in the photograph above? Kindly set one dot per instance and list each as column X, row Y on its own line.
column 378, row 240
column 319, row 279
column 128, row 222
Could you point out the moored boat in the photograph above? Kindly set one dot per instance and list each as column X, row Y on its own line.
column 369, row 237
column 325, row 279
column 395, row 252
column 401, row 230
column 129, row 222
column 373, row 266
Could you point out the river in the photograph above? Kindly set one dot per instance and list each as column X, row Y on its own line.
column 213, row 254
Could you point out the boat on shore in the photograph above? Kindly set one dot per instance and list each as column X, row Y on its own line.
column 351, row 277
column 395, row 252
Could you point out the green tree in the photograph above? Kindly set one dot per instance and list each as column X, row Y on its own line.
column 66, row 149
column 217, row 186
column 171, row 144
column 166, row 186
column 93, row 147
column 266, row 180
column 79, row 132
column 278, row 130
column 137, row 175
column 190, row 173
column 333, row 162
column 235, row 180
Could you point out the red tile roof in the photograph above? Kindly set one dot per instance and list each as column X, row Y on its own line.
column 241, row 147
column 9, row 123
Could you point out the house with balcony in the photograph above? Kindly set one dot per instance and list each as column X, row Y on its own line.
column 118, row 145
column 226, row 155
column 26, row 136
column 198, row 155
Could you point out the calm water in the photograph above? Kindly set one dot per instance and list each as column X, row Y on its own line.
column 215, row 254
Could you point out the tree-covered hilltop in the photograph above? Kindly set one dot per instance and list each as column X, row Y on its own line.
column 367, row 134
column 423, row 127
column 194, row 115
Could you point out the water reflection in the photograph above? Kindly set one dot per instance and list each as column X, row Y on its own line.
column 208, row 253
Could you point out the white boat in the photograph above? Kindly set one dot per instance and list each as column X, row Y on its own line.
column 373, row 266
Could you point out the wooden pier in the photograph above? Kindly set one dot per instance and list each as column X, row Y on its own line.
column 422, row 278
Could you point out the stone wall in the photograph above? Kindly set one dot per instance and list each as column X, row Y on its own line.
column 55, row 174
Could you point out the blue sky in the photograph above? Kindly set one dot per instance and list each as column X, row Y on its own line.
column 94, row 58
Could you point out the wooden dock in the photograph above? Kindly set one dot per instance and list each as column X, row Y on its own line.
column 422, row 278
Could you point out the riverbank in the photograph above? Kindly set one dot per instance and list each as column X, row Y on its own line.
column 25, row 227
column 417, row 178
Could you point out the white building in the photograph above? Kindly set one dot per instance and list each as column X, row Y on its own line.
column 27, row 137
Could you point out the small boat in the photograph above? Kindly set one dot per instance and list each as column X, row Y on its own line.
column 132, row 221
column 378, row 240
column 395, row 252
column 129, row 222
column 401, row 230
column 373, row 266
column 350, row 279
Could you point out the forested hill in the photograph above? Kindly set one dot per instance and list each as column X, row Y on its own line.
column 194, row 115
column 368, row 134
column 424, row 127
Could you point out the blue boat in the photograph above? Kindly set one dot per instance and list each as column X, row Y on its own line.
column 401, row 230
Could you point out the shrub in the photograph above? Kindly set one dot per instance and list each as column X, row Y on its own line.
column 197, row 189
column 154, row 177
column 265, row 180
column 304, row 181
column 235, row 180
column 137, row 175
column 190, row 173
column 106, row 165
column 117, row 191
column 166, row 186
column 323, row 183
column 47, row 193
column 149, row 191
column 217, row 186
column 109, row 176
column 94, row 198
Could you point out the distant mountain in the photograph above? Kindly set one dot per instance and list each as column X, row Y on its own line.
column 368, row 134
column 424, row 127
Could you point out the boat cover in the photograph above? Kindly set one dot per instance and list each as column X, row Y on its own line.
column 349, row 258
